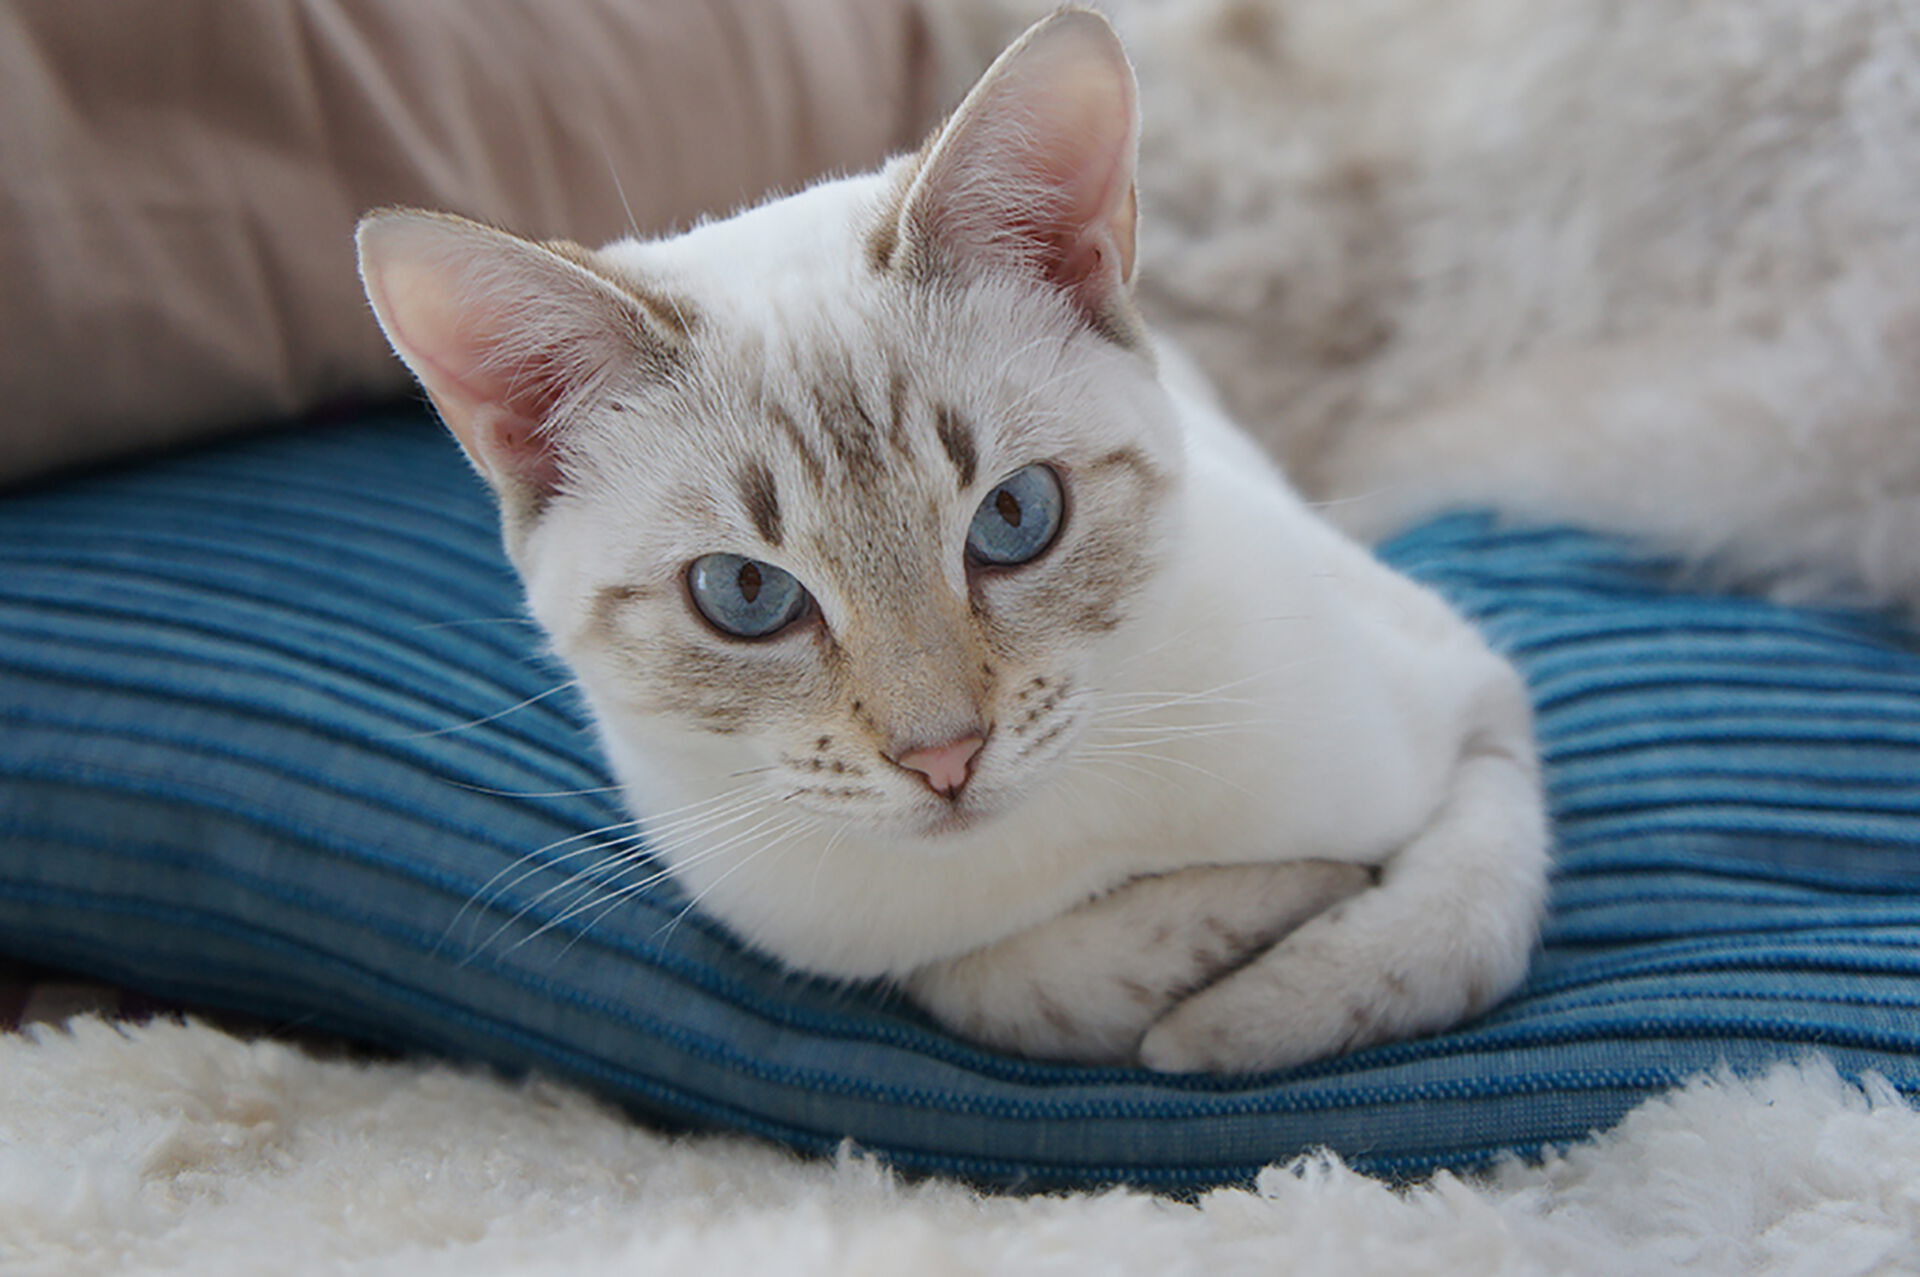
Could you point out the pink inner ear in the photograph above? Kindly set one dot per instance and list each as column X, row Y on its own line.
column 1036, row 167
column 495, row 393
column 513, row 447
column 498, row 409
column 1087, row 249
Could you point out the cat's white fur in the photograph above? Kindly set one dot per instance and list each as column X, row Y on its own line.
column 1258, row 722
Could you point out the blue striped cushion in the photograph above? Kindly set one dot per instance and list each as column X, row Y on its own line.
column 267, row 710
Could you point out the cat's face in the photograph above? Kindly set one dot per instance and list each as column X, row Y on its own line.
column 853, row 494
column 910, row 518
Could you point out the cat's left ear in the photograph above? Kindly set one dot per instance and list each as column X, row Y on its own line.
column 509, row 337
column 1035, row 172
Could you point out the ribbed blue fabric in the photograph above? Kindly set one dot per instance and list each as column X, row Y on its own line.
column 268, row 709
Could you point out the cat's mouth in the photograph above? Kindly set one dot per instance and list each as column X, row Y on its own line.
column 957, row 818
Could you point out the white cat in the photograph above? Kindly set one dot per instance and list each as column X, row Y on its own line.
column 953, row 637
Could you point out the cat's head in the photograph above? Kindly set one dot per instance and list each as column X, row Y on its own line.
column 852, row 492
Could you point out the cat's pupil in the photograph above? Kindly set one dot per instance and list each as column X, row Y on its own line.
column 749, row 581
column 1008, row 507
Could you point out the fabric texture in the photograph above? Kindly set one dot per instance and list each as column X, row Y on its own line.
column 274, row 738
column 179, row 179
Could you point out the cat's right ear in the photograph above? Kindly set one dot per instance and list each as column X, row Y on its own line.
column 508, row 337
column 1034, row 173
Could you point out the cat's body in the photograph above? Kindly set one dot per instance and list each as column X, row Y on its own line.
column 1072, row 793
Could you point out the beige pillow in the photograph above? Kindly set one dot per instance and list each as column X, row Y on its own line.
column 179, row 179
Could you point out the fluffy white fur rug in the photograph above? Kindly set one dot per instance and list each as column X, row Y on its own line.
column 176, row 1148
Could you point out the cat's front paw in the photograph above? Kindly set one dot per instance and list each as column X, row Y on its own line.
column 1086, row 985
column 1447, row 933
column 1330, row 988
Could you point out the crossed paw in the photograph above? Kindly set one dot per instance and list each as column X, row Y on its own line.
column 1158, row 972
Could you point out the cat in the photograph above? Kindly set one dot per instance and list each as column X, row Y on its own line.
column 975, row 648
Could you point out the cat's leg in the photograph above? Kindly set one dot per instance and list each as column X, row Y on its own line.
column 1085, row 985
column 1448, row 932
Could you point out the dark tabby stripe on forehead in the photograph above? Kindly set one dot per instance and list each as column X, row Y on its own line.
column 897, row 413
column 762, row 502
column 810, row 459
column 957, row 438
column 849, row 430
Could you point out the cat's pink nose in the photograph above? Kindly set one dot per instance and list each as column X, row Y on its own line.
column 946, row 767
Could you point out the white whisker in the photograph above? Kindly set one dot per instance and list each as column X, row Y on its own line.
column 461, row 727
column 643, row 828
column 780, row 833
column 1147, row 737
column 606, row 903
column 706, row 815
column 532, row 793
column 1142, row 760
column 682, row 867
column 480, row 897
column 614, row 898
column 476, row 620
column 826, row 854
column 614, row 173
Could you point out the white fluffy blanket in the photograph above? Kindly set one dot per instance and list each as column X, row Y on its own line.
column 176, row 1148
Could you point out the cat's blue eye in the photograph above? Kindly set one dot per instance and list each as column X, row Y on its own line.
column 1018, row 519
column 745, row 597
